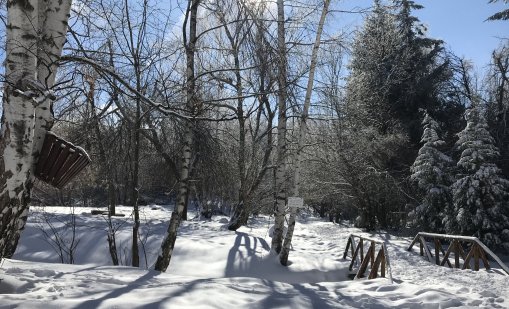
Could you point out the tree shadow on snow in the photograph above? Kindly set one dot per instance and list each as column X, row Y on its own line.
column 284, row 299
column 246, row 259
column 116, row 293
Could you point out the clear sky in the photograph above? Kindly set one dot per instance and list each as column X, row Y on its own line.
column 459, row 23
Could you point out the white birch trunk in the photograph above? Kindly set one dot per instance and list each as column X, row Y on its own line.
column 17, row 121
column 280, row 202
column 164, row 257
column 53, row 18
column 24, row 90
column 283, row 257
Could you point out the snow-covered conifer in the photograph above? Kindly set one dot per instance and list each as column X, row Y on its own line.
column 430, row 172
column 480, row 194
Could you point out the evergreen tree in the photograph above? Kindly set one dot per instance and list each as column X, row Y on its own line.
column 497, row 101
column 421, row 73
column 502, row 15
column 431, row 173
column 480, row 195
column 372, row 67
column 396, row 70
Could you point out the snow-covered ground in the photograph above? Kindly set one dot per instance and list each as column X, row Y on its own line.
column 215, row 268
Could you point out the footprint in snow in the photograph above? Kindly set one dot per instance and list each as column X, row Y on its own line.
column 387, row 288
column 43, row 272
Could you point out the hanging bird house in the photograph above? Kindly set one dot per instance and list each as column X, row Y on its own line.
column 60, row 161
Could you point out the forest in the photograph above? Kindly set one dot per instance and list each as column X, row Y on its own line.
column 231, row 107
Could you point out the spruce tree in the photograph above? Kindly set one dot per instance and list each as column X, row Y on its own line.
column 395, row 70
column 430, row 172
column 480, row 194
column 373, row 64
column 421, row 72
column 502, row 15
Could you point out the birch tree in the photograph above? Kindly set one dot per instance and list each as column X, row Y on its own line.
column 192, row 104
column 36, row 32
column 302, row 134
column 280, row 183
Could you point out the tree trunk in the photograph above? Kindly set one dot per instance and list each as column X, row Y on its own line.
column 135, row 50
column 240, row 216
column 280, row 182
column 53, row 18
column 283, row 257
column 136, row 161
column 164, row 257
column 241, row 213
column 110, row 177
column 106, row 166
column 30, row 71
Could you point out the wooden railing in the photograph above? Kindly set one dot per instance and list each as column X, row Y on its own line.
column 456, row 246
column 381, row 261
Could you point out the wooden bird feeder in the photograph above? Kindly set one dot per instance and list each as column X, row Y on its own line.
column 60, row 161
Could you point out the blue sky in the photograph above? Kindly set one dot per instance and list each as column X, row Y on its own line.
column 460, row 23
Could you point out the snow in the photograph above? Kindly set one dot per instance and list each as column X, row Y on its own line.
column 212, row 267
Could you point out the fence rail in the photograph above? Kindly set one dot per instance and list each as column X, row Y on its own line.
column 363, row 261
column 457, row 246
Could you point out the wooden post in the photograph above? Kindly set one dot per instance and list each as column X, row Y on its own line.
column 348, row 244
column 447, row 253
column 462, row 253
column 445, row 260
column 382, row 269
column 374, row 268
column 437, row 251
column 352, row 244
column 475, row 247
column 361, row 242
column 484, row 259
column 416, row 238
column 354, row 256
column 457, row 247
column 466, row 264
column 364, row 264
column 426, row 249
column 372, row 255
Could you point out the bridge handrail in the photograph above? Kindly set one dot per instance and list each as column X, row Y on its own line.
column 470, row 239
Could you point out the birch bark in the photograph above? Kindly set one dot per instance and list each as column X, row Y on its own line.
column 281, row 192
column 35, row 37
column 53, row 18
column 164, row 257
column 283, row 257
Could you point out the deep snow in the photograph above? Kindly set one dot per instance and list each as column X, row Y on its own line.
column 215, row 268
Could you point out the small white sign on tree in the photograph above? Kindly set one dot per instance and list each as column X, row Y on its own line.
column 295, row 202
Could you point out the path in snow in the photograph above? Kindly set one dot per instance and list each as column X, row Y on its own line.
column 215, row 268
